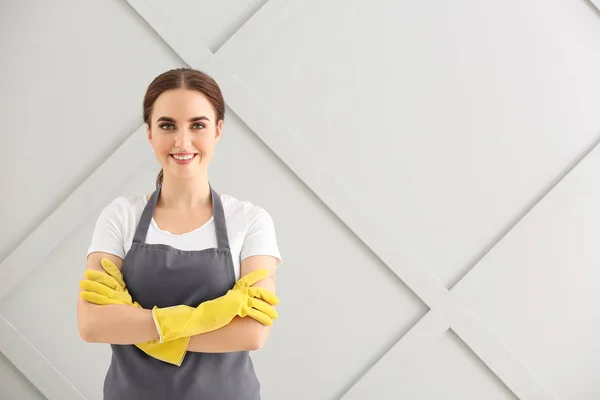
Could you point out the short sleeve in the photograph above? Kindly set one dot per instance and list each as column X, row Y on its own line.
column 260, row 239
column 109, row 232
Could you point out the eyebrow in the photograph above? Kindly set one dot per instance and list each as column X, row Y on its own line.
column 168, row 119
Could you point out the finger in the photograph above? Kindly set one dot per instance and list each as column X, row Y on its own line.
column 264, row 294
column 264, row 308
column 102, row 277
column 259, row 316
column 253, row 277
column 96, row 298
column 113, row 271
column 91, row 286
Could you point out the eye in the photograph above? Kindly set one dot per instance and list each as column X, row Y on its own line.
column 200, row 125
column 166, row 127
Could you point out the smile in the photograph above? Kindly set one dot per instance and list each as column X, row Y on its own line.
column 183, row 158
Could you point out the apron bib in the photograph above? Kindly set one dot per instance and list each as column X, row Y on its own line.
column 163, row 276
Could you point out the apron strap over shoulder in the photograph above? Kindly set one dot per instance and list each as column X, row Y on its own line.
column 142, row 229
column 219, row 218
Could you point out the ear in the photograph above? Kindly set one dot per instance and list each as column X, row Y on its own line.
column 218, row 130
column 149, row 133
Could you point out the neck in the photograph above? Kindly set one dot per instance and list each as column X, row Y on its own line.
column 184, row 194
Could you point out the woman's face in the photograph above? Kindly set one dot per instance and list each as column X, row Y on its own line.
column 183, row 132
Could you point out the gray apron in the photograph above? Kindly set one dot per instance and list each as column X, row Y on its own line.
column 160, row 275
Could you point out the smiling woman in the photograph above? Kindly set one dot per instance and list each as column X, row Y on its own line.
column 181, row 282
column 179, row 126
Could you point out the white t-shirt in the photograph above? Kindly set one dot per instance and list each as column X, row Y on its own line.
column 250, row 229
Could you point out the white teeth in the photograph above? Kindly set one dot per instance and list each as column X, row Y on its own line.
column 186, row 157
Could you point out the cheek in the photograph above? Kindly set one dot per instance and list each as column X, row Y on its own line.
column 160, row 145
column 204, row 144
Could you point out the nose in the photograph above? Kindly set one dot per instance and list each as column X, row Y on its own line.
column 183, row 138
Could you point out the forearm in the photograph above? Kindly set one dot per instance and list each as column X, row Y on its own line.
column 116, row 324
column 241, row 334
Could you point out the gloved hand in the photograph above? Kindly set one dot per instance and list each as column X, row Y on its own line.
column 172, row 352
column 109, row 288
column 242, row 300
column 105, row 288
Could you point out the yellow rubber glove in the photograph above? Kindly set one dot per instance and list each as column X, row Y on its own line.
column 109, row 288
column 100, row 288
column 242, row 300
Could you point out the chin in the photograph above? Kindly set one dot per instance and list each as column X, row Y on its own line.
column 184, row 173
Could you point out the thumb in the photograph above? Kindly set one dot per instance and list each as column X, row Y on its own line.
column 253, row 277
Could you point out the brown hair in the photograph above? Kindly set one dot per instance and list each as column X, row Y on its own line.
column 183, row 78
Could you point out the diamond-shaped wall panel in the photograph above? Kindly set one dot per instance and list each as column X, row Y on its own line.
column 538, row 290
column 431, row 116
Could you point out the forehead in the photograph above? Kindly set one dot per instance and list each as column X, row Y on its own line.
column 182, row 104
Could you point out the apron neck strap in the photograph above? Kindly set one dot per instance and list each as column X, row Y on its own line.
column 218, row 216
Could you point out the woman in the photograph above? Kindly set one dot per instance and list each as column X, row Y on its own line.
column 181, row 282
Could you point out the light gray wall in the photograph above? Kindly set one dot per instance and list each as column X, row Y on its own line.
column 431, row 169
column 14, row 384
